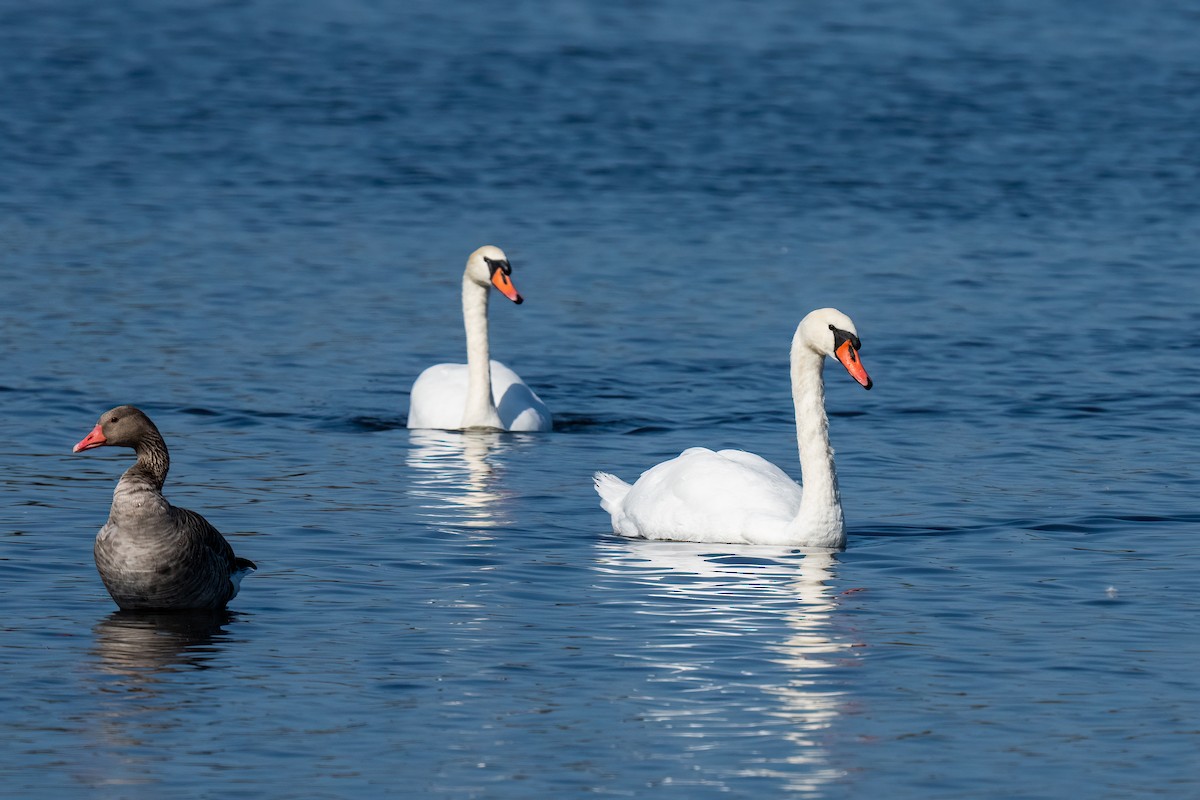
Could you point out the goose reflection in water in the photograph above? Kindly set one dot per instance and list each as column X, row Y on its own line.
column 142, row 660
column 742, row 617
column 457, row 476
column 143, row 646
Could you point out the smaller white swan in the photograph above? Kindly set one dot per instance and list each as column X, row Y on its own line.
column 737, row 497
column 481, row 393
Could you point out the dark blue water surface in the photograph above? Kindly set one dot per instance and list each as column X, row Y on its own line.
column 250, row 219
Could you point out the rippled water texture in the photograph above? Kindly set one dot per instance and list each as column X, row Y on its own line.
column 250, row 219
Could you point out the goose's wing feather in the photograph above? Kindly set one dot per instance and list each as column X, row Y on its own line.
column 212, row 551
column 201, row 533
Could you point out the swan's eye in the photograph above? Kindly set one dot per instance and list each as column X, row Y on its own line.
column 498, row 264
column 841, row 337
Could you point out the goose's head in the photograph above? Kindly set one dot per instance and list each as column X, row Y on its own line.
column 123, row 426
column 831, row 333
column 487, row 265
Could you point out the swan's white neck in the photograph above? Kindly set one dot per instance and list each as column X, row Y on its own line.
column 819, row 521
column 480, row 410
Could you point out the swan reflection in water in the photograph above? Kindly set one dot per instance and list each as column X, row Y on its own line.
column 457, row 476
column 739, row 616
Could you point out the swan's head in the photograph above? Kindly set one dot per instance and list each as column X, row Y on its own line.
column 487, row 265
column 831, row 333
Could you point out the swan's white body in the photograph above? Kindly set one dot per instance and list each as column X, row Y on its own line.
column 738, row 497
column 439, row 400
column 481, row 393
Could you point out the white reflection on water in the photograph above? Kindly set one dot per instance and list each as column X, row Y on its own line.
column 771, row 607
column 457, row 477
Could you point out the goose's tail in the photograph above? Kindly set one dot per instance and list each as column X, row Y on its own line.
column 612, row 491
column 241, row 568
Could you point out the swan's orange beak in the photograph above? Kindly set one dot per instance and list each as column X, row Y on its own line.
column 504, row 283
column 93, row 439
column 849, row 358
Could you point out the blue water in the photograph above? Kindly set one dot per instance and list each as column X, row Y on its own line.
column 250, row 219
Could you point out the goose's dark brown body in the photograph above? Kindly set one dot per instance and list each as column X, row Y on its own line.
column 151, row 555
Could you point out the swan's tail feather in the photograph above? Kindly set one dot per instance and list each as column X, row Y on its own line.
column 612, row 491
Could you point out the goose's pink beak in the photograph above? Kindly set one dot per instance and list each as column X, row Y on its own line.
column 849, row 358
column 93, row 439
column 505, row 285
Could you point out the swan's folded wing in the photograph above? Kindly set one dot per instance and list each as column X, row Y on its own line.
column 777, row 478
column 438, row 397
column 519, row 407
column 705, row 496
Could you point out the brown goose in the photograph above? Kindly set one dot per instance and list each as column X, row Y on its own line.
column 152, row 555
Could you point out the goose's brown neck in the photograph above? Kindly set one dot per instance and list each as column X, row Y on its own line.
column 153, row 461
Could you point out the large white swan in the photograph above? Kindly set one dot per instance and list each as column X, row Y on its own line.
column 481, row 393
column 738, row 497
